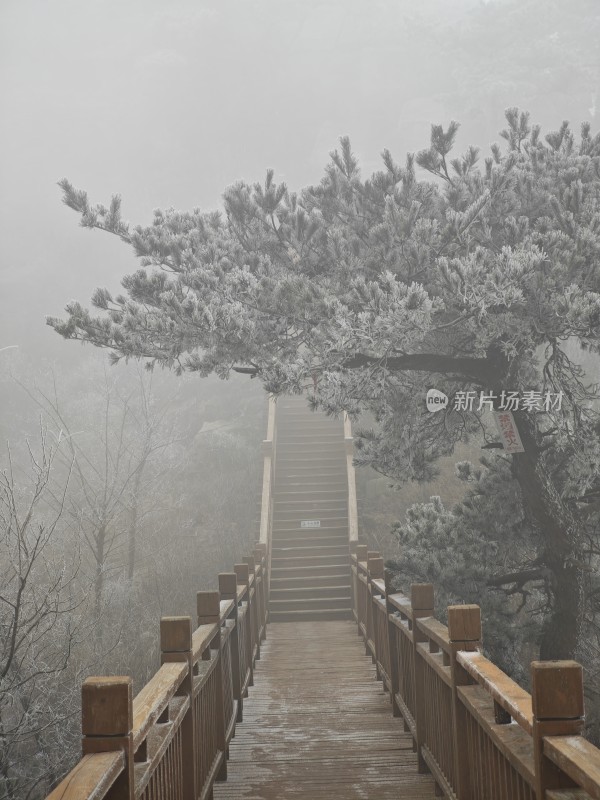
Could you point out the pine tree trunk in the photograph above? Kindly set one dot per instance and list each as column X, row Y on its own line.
column 557, row 527
column 562, row 629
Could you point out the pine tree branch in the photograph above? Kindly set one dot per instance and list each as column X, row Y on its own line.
column 479, row 369
column 520, row 578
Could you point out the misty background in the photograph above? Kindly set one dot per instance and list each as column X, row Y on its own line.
column 167, row 104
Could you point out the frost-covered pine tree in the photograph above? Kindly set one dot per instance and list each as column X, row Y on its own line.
column 379, row 289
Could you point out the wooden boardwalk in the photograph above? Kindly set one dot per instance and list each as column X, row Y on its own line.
column 318, row 724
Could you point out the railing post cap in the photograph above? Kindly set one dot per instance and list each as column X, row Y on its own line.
column 464, row 623
column 208, row 604
column 361, row 552
column 227, row 583
column 250, row 561
column 557, row 690
column 175, row 634
column 388, row 577
column 375, row 566
column 243, row 573
column 107, row 706
column 421, row 596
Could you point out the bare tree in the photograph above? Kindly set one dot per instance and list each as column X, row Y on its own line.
column 39, row 625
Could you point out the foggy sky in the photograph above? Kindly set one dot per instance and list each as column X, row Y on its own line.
column 168, row 103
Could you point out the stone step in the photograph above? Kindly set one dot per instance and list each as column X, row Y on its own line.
column 310, row 592
column 339, row 540
column 308, row 483
column 311, row 495
column 309, row 571
column 313, row 549
column 284, row 517
column 334, row 559
column 315, row 603
column 322, row 581
column 285, row 461
column 289, row 526
column 310, row 616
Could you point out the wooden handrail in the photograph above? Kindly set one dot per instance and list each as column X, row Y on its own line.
column 351, row 482
column 151, row 701
column 504, row 691
column 458, row 705
column 578, row 759
column 181, row 722
column 92, row 778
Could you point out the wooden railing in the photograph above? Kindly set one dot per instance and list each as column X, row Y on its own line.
column 171, row 741
column 478, row 732
column 266, row 505
column 351, row 477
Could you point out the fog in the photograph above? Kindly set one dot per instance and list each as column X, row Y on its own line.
column 168, row 104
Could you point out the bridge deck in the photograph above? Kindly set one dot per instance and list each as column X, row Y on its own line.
column 318, row 725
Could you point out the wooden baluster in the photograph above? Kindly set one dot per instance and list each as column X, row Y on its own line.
column 255, row 606
column 106, row 725
column 391, row 634
column 361, row 555
column 371, row 554
column 352, row 550
column 176, row 645
column 421, row 602
column 243, row 578
column 375, row 565
column 558, row 710
column 261, row 547
column 262, row 586
column 209, row 613
column 464, row 632
column 228, row 591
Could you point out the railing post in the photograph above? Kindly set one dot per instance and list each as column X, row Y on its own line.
column 243, row 578
column 176, row 645
column 558, row 710
column 361, row 598
column 464, row 633
column 259, row 557
column 228, row 591
column 106, row 725
column 369, row 623
column 375, row 567
column 209, row 613
column 421, row 602
column 255, row 605
column 394, row 677
column 352, row 549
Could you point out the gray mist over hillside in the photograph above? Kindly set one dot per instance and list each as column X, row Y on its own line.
column 168, row 104
column 142, row 486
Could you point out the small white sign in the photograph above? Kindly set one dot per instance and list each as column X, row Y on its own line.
column 310, row 523
column 507, row 428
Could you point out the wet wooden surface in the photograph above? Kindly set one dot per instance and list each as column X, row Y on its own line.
column 318, row 724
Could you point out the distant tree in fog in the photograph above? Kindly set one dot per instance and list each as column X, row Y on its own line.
column 40, row 624
column 379, row 289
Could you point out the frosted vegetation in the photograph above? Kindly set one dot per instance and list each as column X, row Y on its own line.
column 124, row 491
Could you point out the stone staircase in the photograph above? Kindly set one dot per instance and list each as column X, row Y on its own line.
column 310, row 566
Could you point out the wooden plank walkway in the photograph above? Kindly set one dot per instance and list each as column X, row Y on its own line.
column 318, row 724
